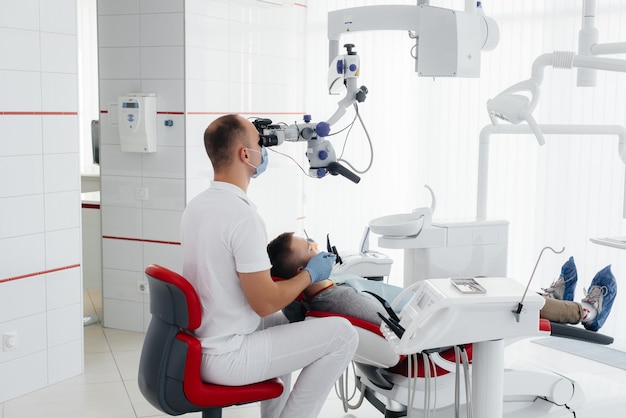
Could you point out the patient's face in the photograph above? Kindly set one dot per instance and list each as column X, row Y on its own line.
column 303, row 249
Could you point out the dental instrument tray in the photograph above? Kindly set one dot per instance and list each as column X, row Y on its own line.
column 467, row 285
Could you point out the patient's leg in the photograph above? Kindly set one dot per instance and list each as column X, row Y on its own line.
column 561, row 311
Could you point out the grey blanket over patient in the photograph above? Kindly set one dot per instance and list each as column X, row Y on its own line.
column 346, row 298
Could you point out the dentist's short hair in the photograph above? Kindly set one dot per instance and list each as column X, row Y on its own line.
column 221, row 136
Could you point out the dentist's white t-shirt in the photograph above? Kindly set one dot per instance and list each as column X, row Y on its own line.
column 222, row 234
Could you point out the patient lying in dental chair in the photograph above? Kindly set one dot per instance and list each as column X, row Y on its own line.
column 289, row 254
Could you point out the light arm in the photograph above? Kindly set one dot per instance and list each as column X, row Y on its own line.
column 489, row 130
column 569, row 60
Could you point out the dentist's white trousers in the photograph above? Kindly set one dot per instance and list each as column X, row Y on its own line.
column 321, row 347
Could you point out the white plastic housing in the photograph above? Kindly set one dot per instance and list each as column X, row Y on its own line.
column 448, row 43
column 439, row 315
column 137, row 122
column 453, row 250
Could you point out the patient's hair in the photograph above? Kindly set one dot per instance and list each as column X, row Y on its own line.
column 284, row 263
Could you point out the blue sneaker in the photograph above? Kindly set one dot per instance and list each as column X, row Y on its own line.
column 601, row 295
column 564, row 287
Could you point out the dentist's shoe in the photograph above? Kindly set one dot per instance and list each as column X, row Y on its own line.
column 564, row 287
column 601, row 295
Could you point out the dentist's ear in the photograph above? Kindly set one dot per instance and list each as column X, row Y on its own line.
column 243, row 154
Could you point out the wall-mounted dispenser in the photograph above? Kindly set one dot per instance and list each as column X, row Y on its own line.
column 137, row 122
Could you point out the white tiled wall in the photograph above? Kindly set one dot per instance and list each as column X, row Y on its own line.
column 140, row 50
column 202, row 59
column 246, row 57
column 40, row 272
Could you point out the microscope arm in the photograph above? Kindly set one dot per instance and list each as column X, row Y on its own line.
column 320, row 152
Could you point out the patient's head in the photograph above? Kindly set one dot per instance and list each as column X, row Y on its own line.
column 289, row 254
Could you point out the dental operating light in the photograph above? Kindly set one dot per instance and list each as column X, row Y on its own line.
column 514, row 107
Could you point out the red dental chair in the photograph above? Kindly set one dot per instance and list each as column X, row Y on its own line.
column 169, row 368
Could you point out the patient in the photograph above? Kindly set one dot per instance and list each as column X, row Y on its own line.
column 286, row 254
column 289, row 254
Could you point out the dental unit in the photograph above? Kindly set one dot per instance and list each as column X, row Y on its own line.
column 441, row 332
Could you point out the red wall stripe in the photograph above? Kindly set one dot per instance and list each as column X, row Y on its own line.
column 38, row 113
column 25, row 276
column 154, row 241
column 158, row 113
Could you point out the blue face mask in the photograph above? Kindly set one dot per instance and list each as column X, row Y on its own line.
column 261, row 167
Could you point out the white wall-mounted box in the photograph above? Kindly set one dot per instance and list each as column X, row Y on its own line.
column 137, row 122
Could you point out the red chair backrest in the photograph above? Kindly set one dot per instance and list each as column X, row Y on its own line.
column 187, row 311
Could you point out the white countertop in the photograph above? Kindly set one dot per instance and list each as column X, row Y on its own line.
column 90, row 197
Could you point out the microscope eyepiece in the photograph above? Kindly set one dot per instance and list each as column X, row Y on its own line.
column 268, row 140
column 261, row 124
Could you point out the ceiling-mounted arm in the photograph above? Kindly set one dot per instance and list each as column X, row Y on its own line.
column 358, row 19
column 569, row 60
column 588, row 45
column 448, row 42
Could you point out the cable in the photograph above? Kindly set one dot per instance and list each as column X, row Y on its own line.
column 468, row 387
column 348, row 126
column 369, row 142
column 432, row 362
column 457, row 381
column 341, row 390
column 345, row 141
column 341, row 395
column 292, row 159
column 410, row 377
column 426, row 385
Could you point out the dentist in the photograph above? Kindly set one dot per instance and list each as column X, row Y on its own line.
column 245, row 338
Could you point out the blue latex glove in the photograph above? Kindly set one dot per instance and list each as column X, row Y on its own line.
column 320, row 266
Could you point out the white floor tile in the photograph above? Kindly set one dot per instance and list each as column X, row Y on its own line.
column 561, row 362
column 120, row 340
column 96, row 400
column 242, row 411
column 127, row 363
column 100, row 367
column 95, row 341
column 334, row 408
column 142, row 407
